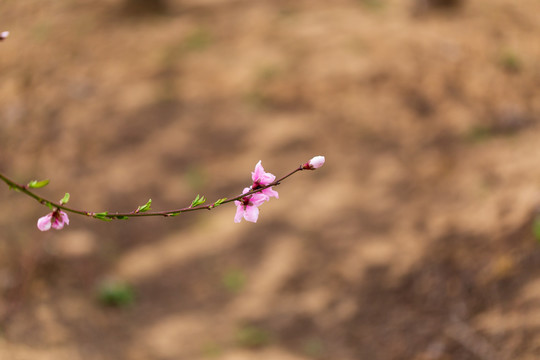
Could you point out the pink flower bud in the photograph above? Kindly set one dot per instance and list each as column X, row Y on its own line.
column 317, row 162
column 3, row 35
column 314, row 163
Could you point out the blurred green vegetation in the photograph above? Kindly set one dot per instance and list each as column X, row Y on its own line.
column 510, row 61
column 115, row 293
column 234, row 280
column 251, row 336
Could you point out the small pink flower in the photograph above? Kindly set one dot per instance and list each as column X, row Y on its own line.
column 247, row 207
column 57, row 219
column 314, row 163
column 3, row 35
column 261, row 178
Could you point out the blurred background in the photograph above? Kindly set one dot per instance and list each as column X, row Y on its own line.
column 416, row 240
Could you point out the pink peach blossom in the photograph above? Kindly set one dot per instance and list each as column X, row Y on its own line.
column 261, row 178
column 56, row 219
column 247, row 207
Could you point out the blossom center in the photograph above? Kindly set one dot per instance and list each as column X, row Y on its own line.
column 246, row 201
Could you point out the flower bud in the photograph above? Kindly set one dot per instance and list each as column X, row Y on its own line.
column 317, row 162
column 314, row 163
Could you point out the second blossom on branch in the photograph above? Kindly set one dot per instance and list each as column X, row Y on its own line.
column 261, row 178
column 248, row 207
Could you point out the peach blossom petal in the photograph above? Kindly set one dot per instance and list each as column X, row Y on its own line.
column 251, row 213
column 44, row 222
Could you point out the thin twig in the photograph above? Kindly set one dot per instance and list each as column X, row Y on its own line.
column 123, row 215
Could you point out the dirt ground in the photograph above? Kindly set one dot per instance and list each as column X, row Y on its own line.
column 414, row 241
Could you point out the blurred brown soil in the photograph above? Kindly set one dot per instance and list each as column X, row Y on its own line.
column 414, row 241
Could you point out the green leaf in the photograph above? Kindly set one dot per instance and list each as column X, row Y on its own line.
column 122, row 217
column 219, row 202
column 49, row 205
column 198, row 201
column 144, row 207
column 34, row 184
column 102, row 216
column 65, row 199
column 194, row 202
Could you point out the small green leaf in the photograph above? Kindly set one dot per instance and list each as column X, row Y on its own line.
column 34, row 184
column 49, row 205
column 219, row 202
column 175, row 213
column 198, row 201
column 102, row 216
column 65, row 199
column 122, row 217
column 144, row 207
